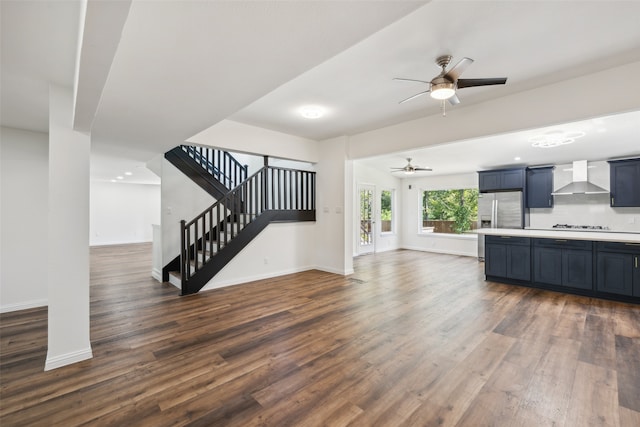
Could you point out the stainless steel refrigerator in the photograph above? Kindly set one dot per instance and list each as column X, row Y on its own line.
column 499, row 210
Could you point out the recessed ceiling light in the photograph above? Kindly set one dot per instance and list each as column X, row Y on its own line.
column 312, row 111
column 113, row 180
column 128, row 173
column 516, row 158
column 120, row 177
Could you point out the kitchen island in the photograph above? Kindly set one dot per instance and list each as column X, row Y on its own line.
column 597, row 264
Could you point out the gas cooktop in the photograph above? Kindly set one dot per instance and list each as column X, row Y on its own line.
column 581, row 227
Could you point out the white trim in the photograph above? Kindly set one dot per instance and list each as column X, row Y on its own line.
column 440, row 251
column 156, row 274
column 469, row 236
column 123, row 242
column 67, row 359
column 337, row 271
column 247, row 279
column 24, row 305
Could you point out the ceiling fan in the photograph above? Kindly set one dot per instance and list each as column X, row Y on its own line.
column 443, row 86
column 409, row 169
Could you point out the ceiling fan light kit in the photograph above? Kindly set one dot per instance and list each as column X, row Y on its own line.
column 443, row 87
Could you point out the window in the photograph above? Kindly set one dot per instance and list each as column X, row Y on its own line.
column 386, row 211
column 449, row 211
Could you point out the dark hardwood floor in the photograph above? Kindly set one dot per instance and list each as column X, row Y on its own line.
column 411, row 339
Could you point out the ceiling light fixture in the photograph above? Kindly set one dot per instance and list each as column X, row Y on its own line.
column 120, row 177
column 312, row 112
column 128, row 173
column 555, row 138
column 442, row 88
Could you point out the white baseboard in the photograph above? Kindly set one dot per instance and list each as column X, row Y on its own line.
column 67, row 359
column 440, row 251
column 247, row 279
column 156, row 274
column 24, row 305
column 344, row 272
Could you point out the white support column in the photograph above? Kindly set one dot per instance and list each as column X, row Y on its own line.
column 68, row 243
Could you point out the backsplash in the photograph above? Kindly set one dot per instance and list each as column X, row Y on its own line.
column 582, row 209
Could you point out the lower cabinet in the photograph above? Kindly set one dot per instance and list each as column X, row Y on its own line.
column 618, row 268
column 563, row 262
column 600, row 269
column 508, row 257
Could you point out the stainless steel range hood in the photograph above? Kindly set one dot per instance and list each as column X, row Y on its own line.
column 580, row 185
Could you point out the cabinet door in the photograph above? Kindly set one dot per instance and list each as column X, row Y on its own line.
column 547, row 265
column 577, row 269
column 625, row 183
column 614, row 273
column 512, row 179
column 489, row 181
column 539, row 188
column 636, row 275
column 495, row 260
column 519, row 262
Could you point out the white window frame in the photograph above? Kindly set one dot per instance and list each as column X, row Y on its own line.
column 392, row 191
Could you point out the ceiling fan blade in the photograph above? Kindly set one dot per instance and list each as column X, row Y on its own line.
column 413, row 96
column 423, row 169
column 462, row 83
column 409, row 80
column 454, row 73
column 454, row 100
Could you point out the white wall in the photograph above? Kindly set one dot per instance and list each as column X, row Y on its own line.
column 334, row 212
column 238, row 137
column 364, row 174
column 259, row 260
column 123, row 213
column 24, row 177
column 68, row 230
column 450, row 244
column 582, row 209
column 182, row 199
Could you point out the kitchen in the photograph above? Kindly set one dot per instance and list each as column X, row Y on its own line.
column 570, row 228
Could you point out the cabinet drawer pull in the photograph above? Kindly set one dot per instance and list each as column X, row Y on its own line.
column 636, row 262
column 632, row 244
column 560, row 240
column 505, row 237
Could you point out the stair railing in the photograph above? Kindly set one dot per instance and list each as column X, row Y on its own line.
column 222, row 165
column 271, row 188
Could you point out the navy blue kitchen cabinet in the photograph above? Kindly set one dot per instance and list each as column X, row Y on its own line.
column 547, row 265
column 609, row 270
column 625, row 183
column 508, row 257
column 618, row 268
column 501, row 180
column 540, row 187
column 563, row 262
column 577, row 268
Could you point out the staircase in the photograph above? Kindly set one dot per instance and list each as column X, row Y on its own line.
column 214, row 237
column 215, row 171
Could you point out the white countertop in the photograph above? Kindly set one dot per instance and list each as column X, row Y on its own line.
column 601, row 236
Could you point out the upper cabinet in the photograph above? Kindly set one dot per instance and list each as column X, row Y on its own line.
column 501, row 180
column 625, row 183
column 540, row 187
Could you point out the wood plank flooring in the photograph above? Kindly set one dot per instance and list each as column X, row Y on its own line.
column 411, row 339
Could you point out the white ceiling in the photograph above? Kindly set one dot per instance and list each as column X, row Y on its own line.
column 181, row 67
